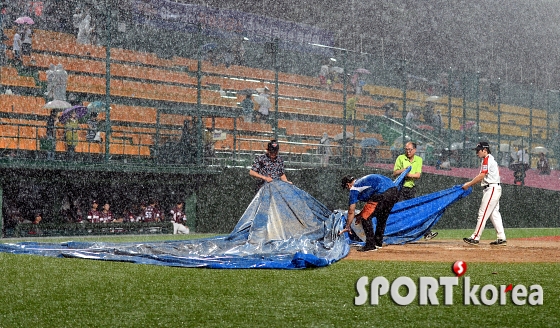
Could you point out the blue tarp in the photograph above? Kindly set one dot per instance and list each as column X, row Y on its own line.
column 411, row 219
column 282, row 228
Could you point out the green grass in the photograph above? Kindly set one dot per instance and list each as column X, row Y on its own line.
column 53, row 292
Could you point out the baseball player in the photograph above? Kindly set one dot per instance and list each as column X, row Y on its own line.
column 151, row 213
column 489, row 178
column 106, row 215
column 93, row 214
column 178, row 219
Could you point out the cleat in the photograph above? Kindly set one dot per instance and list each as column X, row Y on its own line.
column 430, row 235
column 499, row 242
column 368, row 249
column 471, row 241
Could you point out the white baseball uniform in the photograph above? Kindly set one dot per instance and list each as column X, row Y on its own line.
column 490, row 204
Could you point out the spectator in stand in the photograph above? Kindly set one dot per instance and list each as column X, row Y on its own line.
column 82, row 21
column 323, row 74
column 429, row 113
column 413, row 116
column 94, row 216
column 542, row 165
column 248, row 106
column 16, row 45
column 325, row 149
column 351, row 108
column 178, row 219
column 60, row 81
column 106, row 216
column 390, row 108
column 26, row 44
column 264, row 104
column 522, row 156
column 71, row 130
column 93, row 134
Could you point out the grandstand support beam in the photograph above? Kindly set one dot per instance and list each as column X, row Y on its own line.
column 477, row 93
column 1, row 207
column 558, row 127
column 199, row 97
column 499, row 113
column 404, row 89
column 464, row 117
column 548, row 118
column 107, row 79
column 344, row 106
column 158, row 133
column 449, row 106
column 275, row 65
column 531, row 121
column 234, row 153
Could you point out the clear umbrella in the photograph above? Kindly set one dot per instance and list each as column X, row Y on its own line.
column 57, row 104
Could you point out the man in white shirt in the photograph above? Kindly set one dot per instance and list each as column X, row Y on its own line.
column 489, row 178
column 522, row 156
column 16, row 46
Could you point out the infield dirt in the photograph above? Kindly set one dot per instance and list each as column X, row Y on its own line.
column 542, row 249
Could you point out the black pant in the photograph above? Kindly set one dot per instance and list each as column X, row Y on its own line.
column 407, row 193
column 384, row 206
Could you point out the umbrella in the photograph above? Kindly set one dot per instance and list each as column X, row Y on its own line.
column 337, row 69
column 538, row 150
column 398, row 142
column 456, row 146
column 80, row 111
column 338, row 137
column 24, row 20
column 57, row 104
column 459, row 145
column 370, row 142
column 209, row 46
column 432, row 98
column 468, row 125
column 96, row 106
column 362, row 71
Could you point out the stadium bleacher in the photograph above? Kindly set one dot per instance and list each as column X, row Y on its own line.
column 138, row 76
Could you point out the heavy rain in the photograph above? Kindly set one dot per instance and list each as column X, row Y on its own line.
column 162, row 109
column 155, row 118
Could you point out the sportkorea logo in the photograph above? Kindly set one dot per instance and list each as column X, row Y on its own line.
column 426, row 290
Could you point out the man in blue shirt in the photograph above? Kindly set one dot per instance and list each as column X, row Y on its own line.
column 380, row 195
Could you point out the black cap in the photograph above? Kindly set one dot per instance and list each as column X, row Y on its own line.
column 346, row 180
column 481, row 146
column 273, row 146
